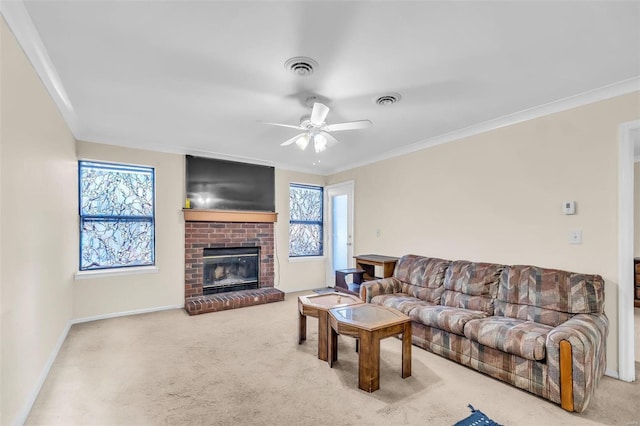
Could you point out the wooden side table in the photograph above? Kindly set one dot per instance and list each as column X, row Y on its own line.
column 317, row 306
column 369, row 323
column 341, row 282
column 368, row 262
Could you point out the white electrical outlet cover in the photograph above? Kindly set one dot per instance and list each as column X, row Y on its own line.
column 575, row 237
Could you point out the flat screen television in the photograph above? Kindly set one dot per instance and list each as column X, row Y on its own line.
column 228, row 185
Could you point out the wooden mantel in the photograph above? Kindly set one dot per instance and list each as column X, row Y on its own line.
column 196, row 215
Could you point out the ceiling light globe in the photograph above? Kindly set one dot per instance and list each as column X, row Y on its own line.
column 319, row 142
column 302, row 142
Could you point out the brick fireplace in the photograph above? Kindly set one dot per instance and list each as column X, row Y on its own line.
column 207, row 229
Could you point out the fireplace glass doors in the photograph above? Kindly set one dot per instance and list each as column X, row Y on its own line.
column 230, row 269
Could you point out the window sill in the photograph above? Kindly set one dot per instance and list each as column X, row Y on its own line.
column 306, row 259
column 101, row 273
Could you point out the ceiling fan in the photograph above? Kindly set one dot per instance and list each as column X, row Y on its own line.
column 317, row 130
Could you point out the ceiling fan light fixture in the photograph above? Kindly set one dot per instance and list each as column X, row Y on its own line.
column 301, row 65
column 314, row 128
column 303, row 141
column 319, row 142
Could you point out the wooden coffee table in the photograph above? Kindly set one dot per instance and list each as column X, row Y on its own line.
column 317, row 306
column 370, row 324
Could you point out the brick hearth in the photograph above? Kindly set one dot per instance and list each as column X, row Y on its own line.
column 200, row 235
column 232, row 300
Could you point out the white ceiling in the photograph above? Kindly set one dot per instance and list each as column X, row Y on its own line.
column 196, row 77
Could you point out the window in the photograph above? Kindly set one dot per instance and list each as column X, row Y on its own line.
column 305, row 220
column 117, row 215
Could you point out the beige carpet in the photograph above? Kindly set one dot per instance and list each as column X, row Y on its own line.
column 244, row 367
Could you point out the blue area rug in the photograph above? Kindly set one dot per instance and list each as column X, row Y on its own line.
column 477, row 418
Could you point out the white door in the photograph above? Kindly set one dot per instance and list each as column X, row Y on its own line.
column 339, row 229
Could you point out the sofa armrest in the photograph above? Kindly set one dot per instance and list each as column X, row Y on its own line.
column 585, row 356
column 389, row 285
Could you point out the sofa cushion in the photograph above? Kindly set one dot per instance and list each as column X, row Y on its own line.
column 445, row 318
column 421, row 277
column 402, row 302
column 471, row 285
column 547, row 296
column 525, row 339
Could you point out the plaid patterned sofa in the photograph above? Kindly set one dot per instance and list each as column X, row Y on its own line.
column 541, row 330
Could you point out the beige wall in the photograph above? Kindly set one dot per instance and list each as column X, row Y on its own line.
column 98, row 296
column 497, row 197
column 38, row 226
column 103, row 295
column 636, row 209
column 296, row 274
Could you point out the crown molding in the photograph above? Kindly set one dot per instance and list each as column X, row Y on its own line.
column 19, row 21
column 210, row 154
column 610, row 91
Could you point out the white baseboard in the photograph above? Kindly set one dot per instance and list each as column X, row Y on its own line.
column 124, row 314
column 21, row 418
column 611, row 373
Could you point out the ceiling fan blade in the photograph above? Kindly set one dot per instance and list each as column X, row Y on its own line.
column 348, row 125
column 281, row 125
column 292, row 140
column 330, row 139
column 318, row 114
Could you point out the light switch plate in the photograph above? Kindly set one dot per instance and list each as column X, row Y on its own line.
column 569, row 207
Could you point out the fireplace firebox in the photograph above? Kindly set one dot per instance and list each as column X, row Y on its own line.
column 230, row 269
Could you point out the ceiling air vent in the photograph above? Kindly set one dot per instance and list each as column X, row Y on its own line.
column 389, row 99
column 301, row 66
